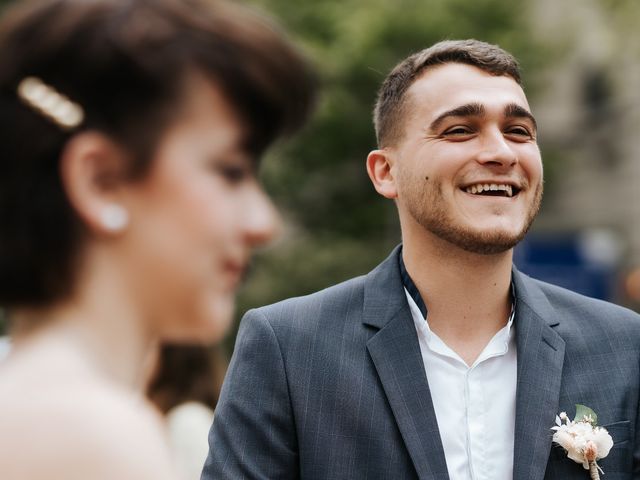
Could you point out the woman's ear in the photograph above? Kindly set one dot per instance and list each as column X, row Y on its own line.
column 93, row 171
column 381, row 173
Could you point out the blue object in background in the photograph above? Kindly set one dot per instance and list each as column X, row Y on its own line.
column 584, row 262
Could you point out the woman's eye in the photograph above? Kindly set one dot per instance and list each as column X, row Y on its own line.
column 234, row 173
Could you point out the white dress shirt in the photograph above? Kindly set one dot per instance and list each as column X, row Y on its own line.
column 475, row 406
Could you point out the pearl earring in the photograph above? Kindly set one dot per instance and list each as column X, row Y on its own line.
column 114, row 217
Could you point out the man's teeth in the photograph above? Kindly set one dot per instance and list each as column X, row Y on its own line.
column 485, row 187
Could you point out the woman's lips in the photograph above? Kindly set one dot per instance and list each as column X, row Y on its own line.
column 236, row 271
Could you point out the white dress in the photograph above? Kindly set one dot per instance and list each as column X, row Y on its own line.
column 5, row 346
column 188, row 426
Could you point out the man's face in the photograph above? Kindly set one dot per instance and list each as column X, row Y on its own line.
column 468, row 168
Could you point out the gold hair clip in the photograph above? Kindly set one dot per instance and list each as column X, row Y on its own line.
column 50, row 103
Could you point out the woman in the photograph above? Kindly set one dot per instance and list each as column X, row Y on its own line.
column 129, row 206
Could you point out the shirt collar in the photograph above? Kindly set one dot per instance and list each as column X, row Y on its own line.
column 412, row 290
column 411, row 287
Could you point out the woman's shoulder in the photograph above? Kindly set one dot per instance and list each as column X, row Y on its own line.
column 188, row 425
column 190, row 414
column 82, row 430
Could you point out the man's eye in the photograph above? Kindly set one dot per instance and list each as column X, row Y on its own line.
column 519, row 131
column 458, row 131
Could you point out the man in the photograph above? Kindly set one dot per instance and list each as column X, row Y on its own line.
column 444, row 361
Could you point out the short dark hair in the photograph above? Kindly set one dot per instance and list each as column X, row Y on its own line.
column 391, row 107
column 126, row 62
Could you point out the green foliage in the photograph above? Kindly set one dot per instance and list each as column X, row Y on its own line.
column 583, row 412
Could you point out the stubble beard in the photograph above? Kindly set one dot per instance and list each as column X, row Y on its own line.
column 432, row 214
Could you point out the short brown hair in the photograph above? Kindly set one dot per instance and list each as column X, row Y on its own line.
column 126, row 62
column 390, row 106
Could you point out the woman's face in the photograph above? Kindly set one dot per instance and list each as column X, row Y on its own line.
column 195, row 219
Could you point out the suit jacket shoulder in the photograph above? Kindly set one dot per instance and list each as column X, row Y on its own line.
column 574, row 312
column 302, row 394
column 323, row 307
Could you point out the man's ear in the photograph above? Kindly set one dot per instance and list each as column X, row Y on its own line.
column 381, row 172
column 93, row 171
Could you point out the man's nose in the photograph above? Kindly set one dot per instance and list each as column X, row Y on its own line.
column 496, row 150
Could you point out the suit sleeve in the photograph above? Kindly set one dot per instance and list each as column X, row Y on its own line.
column 636, row 444
column 253, row 433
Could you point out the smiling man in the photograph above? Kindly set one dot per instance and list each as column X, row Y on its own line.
column 444, row 362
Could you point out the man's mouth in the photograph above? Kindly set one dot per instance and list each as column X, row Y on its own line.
column 492, row 189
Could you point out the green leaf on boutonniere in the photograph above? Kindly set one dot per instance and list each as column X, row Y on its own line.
column 584, row 413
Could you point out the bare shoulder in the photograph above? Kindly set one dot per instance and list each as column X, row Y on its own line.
column 84, row 431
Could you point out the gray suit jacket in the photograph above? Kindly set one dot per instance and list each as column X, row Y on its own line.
column 333, row 386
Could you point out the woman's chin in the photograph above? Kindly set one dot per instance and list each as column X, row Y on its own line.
column 211, row 326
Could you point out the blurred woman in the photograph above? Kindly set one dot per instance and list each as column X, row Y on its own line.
column 130, row 132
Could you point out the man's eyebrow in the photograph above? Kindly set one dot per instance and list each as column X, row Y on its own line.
column 513, row 110
column 468, row 110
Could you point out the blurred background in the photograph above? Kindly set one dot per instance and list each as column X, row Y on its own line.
column 581, row 69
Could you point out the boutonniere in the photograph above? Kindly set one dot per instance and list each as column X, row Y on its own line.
column 584, row 442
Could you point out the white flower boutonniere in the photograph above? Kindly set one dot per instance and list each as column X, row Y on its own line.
column 584, row 442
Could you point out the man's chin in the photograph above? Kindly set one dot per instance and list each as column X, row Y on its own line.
column 483, row 243
column 480, row 248
column 490, row 237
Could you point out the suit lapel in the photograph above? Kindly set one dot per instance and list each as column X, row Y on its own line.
column 540, row 360
column 395, row 352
